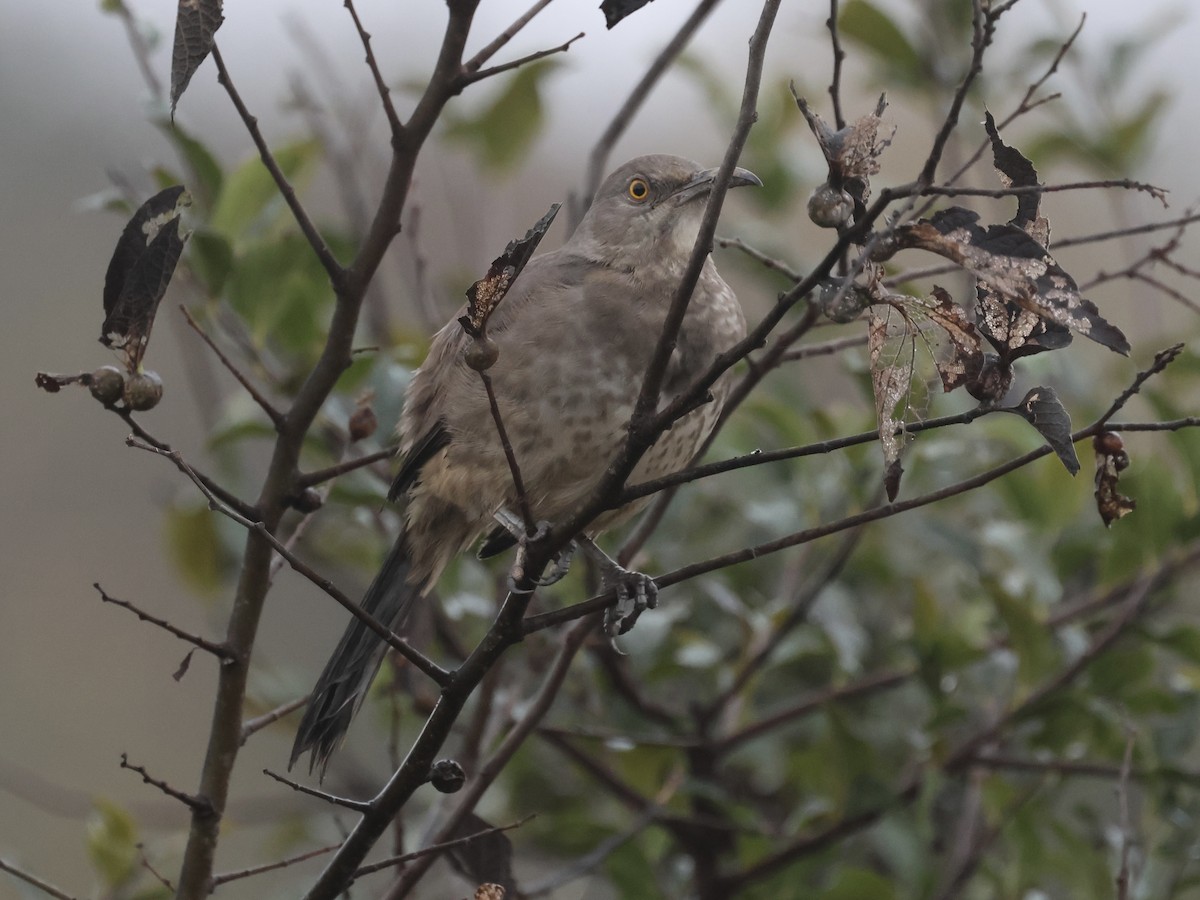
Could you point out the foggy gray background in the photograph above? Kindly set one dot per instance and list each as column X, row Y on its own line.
column 81, row 682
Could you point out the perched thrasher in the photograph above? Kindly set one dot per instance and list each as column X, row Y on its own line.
column 575, row 334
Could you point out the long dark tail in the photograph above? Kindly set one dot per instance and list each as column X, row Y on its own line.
column 343, row 684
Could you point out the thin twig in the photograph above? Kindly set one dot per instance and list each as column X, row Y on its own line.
column 602, row 601
column 250, row 726
column 839, row 56
column 435, row 850
column 1027, row 102
column 468, row 78
column 194, row 803
column 426, row 665
column 1099, row 645
column 205, row 482
column 220, row 651
column 1123, row 874
column 385, row 93
column 476, row 62
column 982, row 28
column 775, row 265
column 140, row 47
column 43, row 886
column 487, row 773
column 825, row 348
column 337, row 275
column 257, row 396
column 598, row 158
column 359, row 806
column 226, row 877
column 319, row 476
column 509, row 454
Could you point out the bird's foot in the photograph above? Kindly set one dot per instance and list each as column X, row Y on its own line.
column 562, row 565
column 636, row 592
column 516, row 527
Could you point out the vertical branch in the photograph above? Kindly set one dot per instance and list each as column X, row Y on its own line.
column 839, row 56
column 350, row 287
column 598, row 160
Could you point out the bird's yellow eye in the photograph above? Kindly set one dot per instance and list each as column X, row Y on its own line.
column 638, row 189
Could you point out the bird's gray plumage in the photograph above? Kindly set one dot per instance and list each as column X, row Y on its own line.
column 575, row 334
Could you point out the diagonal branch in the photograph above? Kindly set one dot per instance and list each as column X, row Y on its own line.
column 476, row 62
column 385, row 93
column 220, row 651
column 598, row 160
column 468, row 78
column 256, row 395
column 332, row 267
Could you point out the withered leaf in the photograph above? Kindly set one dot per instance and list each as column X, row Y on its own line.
column 140, row 270
column 1042, row 409
column 487, row 858
column 1013, row 330
column 1016, row 171
column 1017, row 269
column 485, row 294
column 615, row 10
column 1111, row 460
column 890, row 384
column 852, row 153
column 960, row 356
column 196, row 24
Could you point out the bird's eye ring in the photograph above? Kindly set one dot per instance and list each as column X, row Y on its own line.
column 638, row 189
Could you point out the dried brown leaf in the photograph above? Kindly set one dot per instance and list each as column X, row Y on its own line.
column 485, row 294
column 890, row 384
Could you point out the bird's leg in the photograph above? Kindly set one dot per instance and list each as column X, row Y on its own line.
column 636, row 592
column 513, row 524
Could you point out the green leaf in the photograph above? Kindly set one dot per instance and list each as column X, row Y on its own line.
column 195, row 546
column 859, row 884
column 205, row 175
column 867, row 25
column 281, row 290
column 112, row 844
column 211, row 258
column 1029, row 638
column 503, row 131
column 248, row 191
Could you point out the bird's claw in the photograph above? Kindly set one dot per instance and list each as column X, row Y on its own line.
column 562, row 559
column 562, row 565
column 636, row 593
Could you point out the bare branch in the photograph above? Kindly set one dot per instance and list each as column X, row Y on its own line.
column 220, row 651
column 227, row 877
column 839, row 56
column 471, row 77
column 490, row 770
column 44, row 886
column 775, row 265
column 332, row 267
column 196, row 804
column 264, row 404
column 359, row 806
column 509, row 454
column 250, row 726
column 319, row 476
column 385, row 93
column 435, row 850
column 598, row 159
column 427, row 666
column 477, row 61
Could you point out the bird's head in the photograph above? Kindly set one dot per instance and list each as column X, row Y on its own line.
column 651, row 206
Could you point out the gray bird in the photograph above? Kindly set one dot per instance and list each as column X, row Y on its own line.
column 575, row 334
